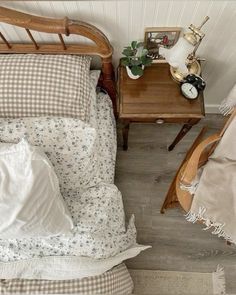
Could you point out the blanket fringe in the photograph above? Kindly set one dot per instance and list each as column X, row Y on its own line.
column 189, row 188
column 192, row 187
column 226, row 107
column 193, row 217
column 218, row 281
column 217, row 228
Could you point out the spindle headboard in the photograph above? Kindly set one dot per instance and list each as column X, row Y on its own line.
column 65, row 26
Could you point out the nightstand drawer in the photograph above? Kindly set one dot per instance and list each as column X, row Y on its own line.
column 155, row 119
column 162, row 106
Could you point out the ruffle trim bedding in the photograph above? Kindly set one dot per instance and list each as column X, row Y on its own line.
column 67, row 267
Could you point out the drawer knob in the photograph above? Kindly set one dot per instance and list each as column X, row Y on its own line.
column 160, row 121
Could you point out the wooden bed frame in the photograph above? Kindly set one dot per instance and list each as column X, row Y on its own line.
column 60, row 27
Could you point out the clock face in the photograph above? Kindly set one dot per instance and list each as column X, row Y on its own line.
column 189, row 91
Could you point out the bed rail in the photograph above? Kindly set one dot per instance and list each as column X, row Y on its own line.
column 65, row 26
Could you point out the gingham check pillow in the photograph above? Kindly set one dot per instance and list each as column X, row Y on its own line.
column 44, row 85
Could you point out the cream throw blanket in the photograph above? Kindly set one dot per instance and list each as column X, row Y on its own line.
column 229, row 102
column 214, row 201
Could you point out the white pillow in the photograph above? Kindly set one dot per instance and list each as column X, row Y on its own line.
column 69, row 143
column 30, row 201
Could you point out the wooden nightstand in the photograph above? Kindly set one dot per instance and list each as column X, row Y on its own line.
column 156, row 98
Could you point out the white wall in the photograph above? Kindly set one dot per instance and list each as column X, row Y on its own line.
column 125, row 20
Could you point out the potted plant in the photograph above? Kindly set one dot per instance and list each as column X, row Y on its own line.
column 135, row 59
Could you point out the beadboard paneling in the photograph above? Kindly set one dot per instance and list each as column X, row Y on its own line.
column 125, row 20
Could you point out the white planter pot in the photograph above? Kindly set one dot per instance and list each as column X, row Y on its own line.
column 130, row 73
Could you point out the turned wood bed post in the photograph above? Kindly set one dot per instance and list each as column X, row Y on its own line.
column 108, row 81
column 100, row 46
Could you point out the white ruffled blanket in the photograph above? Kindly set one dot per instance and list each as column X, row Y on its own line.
column 84, row 159
column 214, row 201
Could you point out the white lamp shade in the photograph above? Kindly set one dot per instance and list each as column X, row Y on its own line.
column 177, row 55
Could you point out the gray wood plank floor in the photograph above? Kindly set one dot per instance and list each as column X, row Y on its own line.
column 143, row 174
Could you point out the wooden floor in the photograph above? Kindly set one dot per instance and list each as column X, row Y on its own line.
column 143, row 174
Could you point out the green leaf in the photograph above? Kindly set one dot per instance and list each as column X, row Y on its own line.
column 143, row 59
column 145, row 52
column 135, row 62
column 137, row 70
column 125, row 61
column 139, row 44
column 134, row 44
column 139, row 52
column 127, row 52
column 146, row 61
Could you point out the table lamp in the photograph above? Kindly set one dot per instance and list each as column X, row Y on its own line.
column 181, row 56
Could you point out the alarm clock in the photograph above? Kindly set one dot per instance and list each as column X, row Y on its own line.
column 191, row 86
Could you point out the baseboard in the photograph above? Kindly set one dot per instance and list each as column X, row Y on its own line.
column 212, row 108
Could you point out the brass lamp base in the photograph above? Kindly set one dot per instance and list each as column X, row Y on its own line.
column 193, row 68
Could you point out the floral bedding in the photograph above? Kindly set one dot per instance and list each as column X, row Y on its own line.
column 86, row 185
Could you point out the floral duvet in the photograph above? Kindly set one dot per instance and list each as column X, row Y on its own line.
column 84, row 159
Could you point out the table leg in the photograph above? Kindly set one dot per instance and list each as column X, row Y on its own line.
column 184, row 130
column 125, row 132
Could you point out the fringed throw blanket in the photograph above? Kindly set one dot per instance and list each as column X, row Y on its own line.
column 229, row 102
column 214, row 201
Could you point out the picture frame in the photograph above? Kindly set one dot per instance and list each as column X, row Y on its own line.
column 155, row 37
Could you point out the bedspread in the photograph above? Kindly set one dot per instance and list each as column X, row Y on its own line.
column 100, row 231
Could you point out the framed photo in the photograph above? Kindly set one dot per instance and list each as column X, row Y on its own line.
column 160, row 37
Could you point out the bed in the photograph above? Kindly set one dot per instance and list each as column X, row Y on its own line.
column 51, row 108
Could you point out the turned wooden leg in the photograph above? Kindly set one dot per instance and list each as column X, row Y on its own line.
column 183, row 131
column 125, row 132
